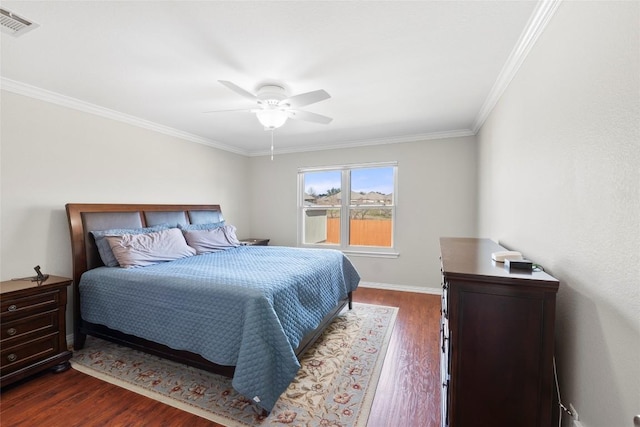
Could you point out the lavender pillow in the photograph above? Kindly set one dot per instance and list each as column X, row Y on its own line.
column 103, row 246
column 212, row 240
column 140, row 250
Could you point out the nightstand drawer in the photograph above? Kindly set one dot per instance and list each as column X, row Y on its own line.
column 25, row 328
column 16, row 357
column 22, row 305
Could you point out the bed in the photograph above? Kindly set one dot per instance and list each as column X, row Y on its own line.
column 246, row 312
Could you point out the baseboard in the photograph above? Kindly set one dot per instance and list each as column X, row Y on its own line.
column 402, row 288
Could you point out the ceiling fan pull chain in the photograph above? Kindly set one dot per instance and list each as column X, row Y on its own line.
column 271, row 144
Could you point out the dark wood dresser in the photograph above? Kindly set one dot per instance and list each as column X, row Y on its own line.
column 497, row 339
column 33, row 336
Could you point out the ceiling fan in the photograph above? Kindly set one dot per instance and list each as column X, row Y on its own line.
column 274, row 107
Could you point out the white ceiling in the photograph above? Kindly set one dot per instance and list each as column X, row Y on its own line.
column 396, row 71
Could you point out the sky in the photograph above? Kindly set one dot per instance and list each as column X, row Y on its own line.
column 369, row 179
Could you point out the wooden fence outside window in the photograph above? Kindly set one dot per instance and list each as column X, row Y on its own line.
column 363, row 232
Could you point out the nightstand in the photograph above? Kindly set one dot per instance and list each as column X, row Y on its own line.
column 255, row 242
column 33, row 332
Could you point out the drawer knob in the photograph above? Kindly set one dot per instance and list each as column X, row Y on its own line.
column 12, row 307
column 12, row 357
column 11, row 331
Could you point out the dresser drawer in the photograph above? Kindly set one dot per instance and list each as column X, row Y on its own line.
column 29, row 327
column 21, row 306
column 18, row 356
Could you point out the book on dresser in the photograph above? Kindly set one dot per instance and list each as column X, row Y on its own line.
column 497, row 339
column 33, row 327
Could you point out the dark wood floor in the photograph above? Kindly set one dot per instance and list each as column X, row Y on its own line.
column 408, row 392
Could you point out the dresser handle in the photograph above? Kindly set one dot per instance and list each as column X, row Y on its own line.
column 11, row 331
column 12, row 307
column 444, row 339
column 12, row 357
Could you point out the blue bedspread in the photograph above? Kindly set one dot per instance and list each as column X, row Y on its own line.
column 247, row 306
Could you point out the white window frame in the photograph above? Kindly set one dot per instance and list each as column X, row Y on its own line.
column 345, row 207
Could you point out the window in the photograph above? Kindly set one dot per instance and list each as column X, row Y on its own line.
column 349, row 207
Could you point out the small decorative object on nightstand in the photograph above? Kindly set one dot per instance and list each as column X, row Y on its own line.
column 255, row 242
column 33, row 334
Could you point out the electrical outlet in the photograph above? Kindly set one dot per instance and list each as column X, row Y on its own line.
column 574, row 413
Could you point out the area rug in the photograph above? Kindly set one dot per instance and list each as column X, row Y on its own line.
column 334, row 387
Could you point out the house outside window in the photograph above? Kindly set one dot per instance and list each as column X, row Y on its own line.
column 348, row 207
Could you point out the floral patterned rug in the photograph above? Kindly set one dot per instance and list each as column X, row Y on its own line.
column 334, row 387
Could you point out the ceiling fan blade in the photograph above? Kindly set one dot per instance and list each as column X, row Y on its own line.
column 247, row 110
column 237, row 89
column 309, row 117
column 306, row 98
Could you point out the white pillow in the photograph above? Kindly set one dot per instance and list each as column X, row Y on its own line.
column 217, row 239
column 139, row 250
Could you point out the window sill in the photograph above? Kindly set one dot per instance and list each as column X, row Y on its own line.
column 360, row 253
column 372, row 254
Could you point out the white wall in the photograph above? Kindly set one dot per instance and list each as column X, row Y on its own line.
column 436, row 197
column 559, row 179
column 52, row 155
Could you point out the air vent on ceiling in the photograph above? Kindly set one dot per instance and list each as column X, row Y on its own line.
column 14, row 24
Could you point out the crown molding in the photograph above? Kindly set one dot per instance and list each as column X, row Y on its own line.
column 66, row 101
column 367, row 142
column 545, row 9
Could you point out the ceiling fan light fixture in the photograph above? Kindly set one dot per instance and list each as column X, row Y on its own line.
column 274, row 106
column 271, row 118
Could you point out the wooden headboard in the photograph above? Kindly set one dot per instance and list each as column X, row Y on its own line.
column 84, row 218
